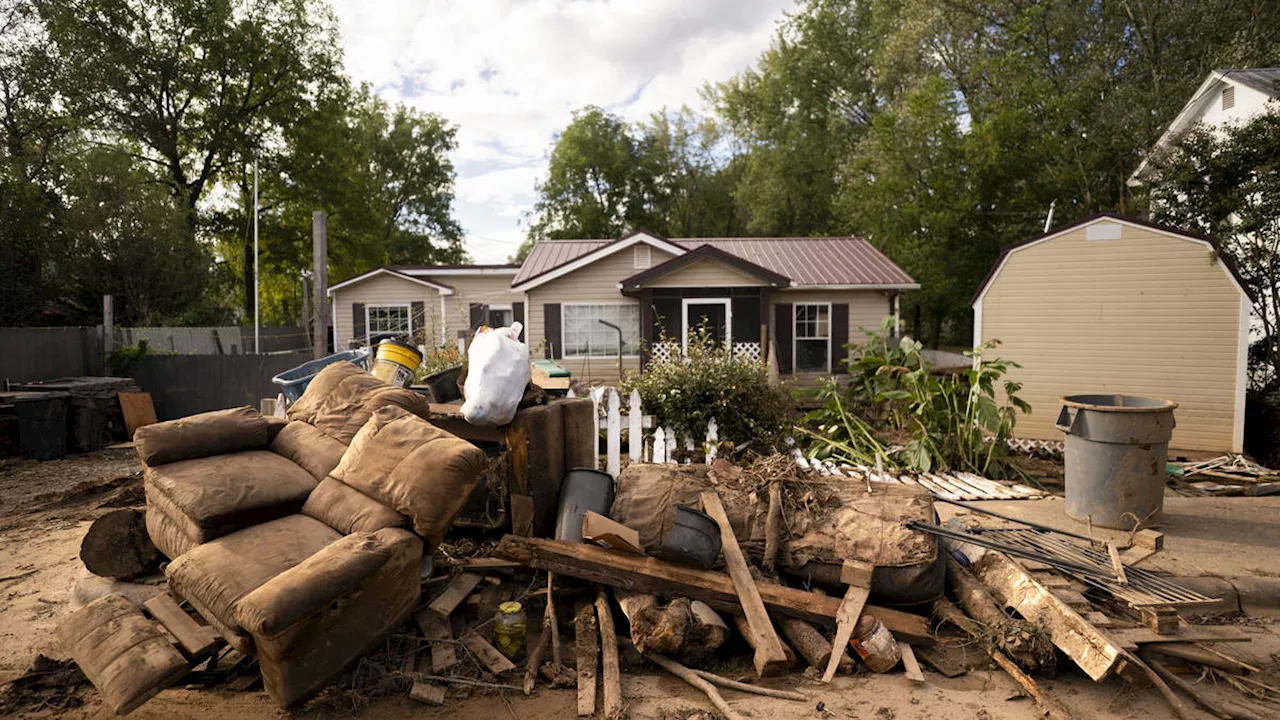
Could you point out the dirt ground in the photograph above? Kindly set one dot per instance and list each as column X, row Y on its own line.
column 48, row 506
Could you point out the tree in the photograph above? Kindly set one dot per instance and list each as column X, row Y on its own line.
column 696, row 174
column 1228, row 185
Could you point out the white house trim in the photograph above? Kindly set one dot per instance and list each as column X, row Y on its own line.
column 869, row 286
column 795, row 335
column 444, row 313
column 444, row 289
column 684, row 319
column 429, row 272
column 1242, row 373
column 1108, row 219
column 977, row 328
column 603, row 252
column 586, row 303
column 368, row 331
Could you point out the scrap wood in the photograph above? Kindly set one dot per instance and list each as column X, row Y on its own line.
column 467, row 681
column 725, row 682
column 196, row 640
column 553, row 622
column 427, row 693
column 1116, row 565
column 488, row 655
column 650, row 575
column 909, row 664
column 697, row 681
column 1021, row 640
column 454, row 595
column 611, row 678
column 748, row 634
column 1170, row 697
column 811, row 644
column 535, row 659
column 1170, row 677
column 773, row 526
column 587, row 642
column 769, row 652
column 857, row 576
column 1049, row 705
column 1131, row 638
column 438, row 633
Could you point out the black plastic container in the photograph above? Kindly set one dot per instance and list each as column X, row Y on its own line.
column 42, row 423
column 694, row 539
column 583, row 489
column 444, row 385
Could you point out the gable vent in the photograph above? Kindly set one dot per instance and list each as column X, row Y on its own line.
column 1228, row 97
column 641, row 256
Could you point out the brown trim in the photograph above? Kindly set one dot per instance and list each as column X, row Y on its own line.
column 783, row 316
column 1192, row 234
column 839, row 338
column 646, row 326
column 706, row 252
column 551, row 329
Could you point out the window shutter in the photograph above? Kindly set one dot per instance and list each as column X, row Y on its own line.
column 839, row 338
column 517, row 315
column 782, row 333
column 479, row 315
column 357, row 324
column 418, row 322
column 551, row 326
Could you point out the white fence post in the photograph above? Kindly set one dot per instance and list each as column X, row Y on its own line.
column 672, row 444
column 635, row 436
column 614, row 435
column 713, row 439
column 659, row 446
column 596, row 394
column 688, row 447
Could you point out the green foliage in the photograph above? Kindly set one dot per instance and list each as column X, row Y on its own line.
column 122, row 359
column 684, row 393
column 441, row 358
column 959, row 421
column 1228, row 185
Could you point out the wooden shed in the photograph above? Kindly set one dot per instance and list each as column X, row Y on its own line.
column 1113, row 304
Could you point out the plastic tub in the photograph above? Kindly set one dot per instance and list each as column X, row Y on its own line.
column 42, row 423
column 396, row 362
column 294, row 382
column 583, row 489
column 694, row 539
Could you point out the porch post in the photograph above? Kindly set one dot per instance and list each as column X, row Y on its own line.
column 646, row 326
column 765, row 316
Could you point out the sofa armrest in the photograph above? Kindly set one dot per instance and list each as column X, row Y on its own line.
column 330, row 574
column 196, row 436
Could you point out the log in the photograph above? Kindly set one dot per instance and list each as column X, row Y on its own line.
column 858, row 576
column 1167, row 675
column 1179, row 708
column 535, row 659
column 725, row 682
column 1048, row 705
column 612, row 679
column 650, row 575
column 772, row 526
column 653, row 627
column 587, row 643
column 811, row 645
column 1017, row 638
column 695, row 680
column 769, row 653
column 744, row 629
column 117, row 546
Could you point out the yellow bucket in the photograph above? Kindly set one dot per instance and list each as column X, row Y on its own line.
column 396, row 362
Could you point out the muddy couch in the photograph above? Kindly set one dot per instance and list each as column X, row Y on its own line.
column 301, row 542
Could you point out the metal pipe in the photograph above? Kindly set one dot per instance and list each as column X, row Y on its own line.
column 619, row 331
column 257, row 279
column 992, row 513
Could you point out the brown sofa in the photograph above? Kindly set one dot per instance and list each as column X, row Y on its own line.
column 302, row 543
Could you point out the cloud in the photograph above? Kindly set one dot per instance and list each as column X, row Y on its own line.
column 509, row 74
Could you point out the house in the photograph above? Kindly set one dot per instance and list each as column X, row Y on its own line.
column 1112, row 304
column 810, row 296
column 1225, row 97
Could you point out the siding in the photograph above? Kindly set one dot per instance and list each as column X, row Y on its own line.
column 484, row 289
column 597, row 282
column 1147, row 314
column 705, row 273
column 867, row 308
column 383, row 290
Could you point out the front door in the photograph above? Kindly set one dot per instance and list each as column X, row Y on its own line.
column 712, row 313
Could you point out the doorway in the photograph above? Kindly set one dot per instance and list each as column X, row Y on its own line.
column 715, row 313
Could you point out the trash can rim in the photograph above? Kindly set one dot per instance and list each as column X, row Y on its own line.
column 1156, row 405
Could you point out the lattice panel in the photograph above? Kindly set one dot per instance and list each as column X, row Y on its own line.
column 665, row 352
column 749, row 350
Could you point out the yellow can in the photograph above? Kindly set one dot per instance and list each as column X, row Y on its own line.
column 396, row 362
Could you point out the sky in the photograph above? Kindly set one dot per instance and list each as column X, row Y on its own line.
column 509, row 73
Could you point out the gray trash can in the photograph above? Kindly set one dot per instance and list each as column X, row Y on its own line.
column 1116, row 450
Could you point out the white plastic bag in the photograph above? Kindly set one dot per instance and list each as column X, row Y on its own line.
column 497, row 374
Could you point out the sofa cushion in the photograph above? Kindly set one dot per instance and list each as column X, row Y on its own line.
column 341, row 397
column 165, row 532
column 196, row 436
column 210, row 497
column 217, row 574
column 348, row 510
column 306, row 446
column 413, row 466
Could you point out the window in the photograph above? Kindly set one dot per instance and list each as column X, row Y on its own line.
column 812, row 337
column 499, row 316
column 641, row 256
column 1228, row 97
column 585, row 336
column 386, row 321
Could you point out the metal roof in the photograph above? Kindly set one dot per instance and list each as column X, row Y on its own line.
column 806, row 260
column 1264, row 80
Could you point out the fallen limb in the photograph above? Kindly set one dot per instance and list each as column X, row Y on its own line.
column 535, row 659
column 465, row 681
column 697, row 681
column 1170, row 697
column 1168, row 676
column 725, row 682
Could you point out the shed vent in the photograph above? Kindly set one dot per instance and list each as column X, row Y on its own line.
column 641, row 256
column 1228, row 97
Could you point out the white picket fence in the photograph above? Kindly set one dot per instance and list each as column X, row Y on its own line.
column 659, row 445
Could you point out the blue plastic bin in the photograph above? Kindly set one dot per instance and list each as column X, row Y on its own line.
column 294, row 382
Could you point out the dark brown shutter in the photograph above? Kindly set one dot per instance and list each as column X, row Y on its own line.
column 517, row 315
column 418, row 313
column 782, row 319
column 479, row 315
column 839, row 337
column 551, row 329
column 357, row 324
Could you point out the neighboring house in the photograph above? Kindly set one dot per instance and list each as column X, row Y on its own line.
column 1112, row 304
column 1226, row 97
column 810, row 296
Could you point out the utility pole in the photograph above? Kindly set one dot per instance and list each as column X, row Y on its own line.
column 320, row 282
column 257, row 280
column 108, row 325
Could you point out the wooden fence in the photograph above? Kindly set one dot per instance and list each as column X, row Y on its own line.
column 645, row 443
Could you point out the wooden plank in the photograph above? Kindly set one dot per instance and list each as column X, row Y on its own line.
column 909, row 663
column 427, row 693
column 437, row 632
column 521, row 514
column 858, row 576
column 1161, row 619
column 496, row 662
column 612, row 534
column 137, row 409
column 770, row 650
column 196, row 639
column 1116, row 566
column 611, row 677
column 1149, row 539
column 650, row 575
column 453, row 596
column 587, row 644
column 1131, row 638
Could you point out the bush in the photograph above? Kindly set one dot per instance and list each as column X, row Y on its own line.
column 894, row 408
column 683, row 393
column 122, row 359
